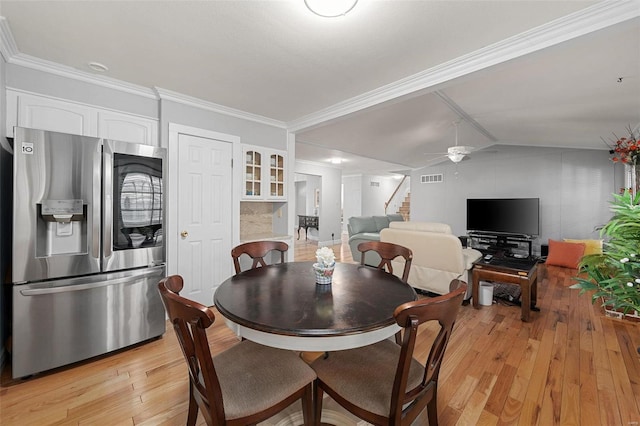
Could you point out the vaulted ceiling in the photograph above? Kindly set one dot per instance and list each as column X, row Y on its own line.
column 380, row 87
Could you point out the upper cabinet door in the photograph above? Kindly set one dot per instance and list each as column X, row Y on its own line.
column 277, row 175
column 264, row 174
column 127, row 128
column 41, row 113
column 252, row 174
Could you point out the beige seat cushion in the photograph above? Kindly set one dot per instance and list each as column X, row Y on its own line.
column 254, row 377
column 364, row 376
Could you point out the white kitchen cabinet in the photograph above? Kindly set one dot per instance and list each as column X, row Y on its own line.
column 277, row 175
column 264, row 174
column 41, row 112
column 36, row 112
column 253, row 180
column 128, row 128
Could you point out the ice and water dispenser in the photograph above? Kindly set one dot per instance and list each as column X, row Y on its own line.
column 62, row 228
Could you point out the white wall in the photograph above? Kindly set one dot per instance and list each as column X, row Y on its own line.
column 250, row 132
column 361, row 198
column 374, row 197
column 574, row 187
column 352, row 202
column 301, row 198
column 329, row 211
column 314, row 183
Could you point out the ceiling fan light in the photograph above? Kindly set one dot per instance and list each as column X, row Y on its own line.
column 455, row 157
column 459, row 149
column 330, row 8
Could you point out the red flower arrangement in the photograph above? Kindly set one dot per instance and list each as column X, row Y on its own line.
column 626, row 150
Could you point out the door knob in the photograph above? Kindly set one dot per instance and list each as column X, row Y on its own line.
column 184, row 234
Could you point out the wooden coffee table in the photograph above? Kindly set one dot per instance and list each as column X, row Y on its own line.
column 522, row 272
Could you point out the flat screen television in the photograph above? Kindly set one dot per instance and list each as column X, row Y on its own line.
column 511, row 216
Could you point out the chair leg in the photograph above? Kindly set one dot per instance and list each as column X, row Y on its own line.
column 432, row 408
column 193, row 407
column 317, row 399
column 307, row 405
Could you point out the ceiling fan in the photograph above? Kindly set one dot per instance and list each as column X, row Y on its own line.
column 457, row 152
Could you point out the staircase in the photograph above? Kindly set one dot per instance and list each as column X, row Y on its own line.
column 404, row 209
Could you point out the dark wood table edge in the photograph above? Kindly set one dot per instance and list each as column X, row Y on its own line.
column 306, row 333
column 298, row 333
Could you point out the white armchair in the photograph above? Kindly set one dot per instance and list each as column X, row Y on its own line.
column 438, row 256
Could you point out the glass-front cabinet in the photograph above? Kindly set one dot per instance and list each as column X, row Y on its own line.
column 253, row 174
column 276, row 176
column 265, row 174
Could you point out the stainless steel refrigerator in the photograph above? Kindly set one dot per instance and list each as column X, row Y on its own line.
column 88, row 248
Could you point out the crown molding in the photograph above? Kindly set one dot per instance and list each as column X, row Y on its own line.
column 18, row 90
column 54, row 68
column 8, row 47
column 169, row 95
column 596, row 17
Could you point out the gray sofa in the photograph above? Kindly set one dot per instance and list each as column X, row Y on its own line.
column 367, row 228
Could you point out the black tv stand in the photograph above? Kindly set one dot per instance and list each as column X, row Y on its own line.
column 503, row 245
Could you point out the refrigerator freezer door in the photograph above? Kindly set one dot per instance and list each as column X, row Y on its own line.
column 133, row 205
column 56, row 209
column 60, row 322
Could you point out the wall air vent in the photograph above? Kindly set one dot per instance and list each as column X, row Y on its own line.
column 437, row 178
column 376, row 184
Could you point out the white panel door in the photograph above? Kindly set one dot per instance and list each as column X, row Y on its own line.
column 204, row 215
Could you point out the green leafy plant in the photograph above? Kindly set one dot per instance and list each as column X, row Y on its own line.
column 615, row 274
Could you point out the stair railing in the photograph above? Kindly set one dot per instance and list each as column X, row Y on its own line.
column 386, row 204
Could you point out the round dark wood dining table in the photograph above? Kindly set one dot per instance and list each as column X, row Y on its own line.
column 282, row 306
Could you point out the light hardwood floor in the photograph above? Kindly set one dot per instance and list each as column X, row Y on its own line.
column 569, row 365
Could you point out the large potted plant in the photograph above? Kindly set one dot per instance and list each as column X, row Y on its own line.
column 614, row 275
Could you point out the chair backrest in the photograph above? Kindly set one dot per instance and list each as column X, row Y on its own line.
column 387, row 252
column 443, row 309
column 437, row 227
column 257, row 250
column 190, row 320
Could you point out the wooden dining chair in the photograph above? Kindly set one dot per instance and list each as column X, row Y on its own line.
column 245, row 384
column 257, row 250
column 387, row 252
column 383, row 383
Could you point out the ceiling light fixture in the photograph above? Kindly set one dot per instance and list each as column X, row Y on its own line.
column 330, row 8
column 456, row 157
column 336, row 160
column 456, row 153
column 97, row 66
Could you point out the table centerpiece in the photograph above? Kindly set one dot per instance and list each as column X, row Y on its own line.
column 323, row 268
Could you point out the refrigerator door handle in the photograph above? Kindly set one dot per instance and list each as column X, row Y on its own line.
column 108, row 207
column 79, row 287
column 96, row 207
